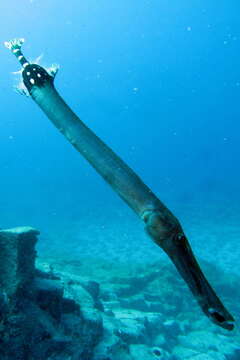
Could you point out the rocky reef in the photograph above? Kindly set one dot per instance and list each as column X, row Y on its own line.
column 88, row 309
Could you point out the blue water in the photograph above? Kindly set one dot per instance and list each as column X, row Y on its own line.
column 159, row 82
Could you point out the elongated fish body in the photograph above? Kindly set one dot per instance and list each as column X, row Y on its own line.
column 162, row 226
column 119, row 175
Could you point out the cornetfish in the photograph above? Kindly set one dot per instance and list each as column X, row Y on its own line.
column 162, row 226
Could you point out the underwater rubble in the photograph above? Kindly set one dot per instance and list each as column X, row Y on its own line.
column 90, row 309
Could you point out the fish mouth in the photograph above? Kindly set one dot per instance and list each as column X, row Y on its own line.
column 183, row 258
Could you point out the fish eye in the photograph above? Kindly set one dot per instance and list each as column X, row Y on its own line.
column 180, row 236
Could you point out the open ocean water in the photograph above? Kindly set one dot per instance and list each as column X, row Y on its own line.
column 159, row 82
